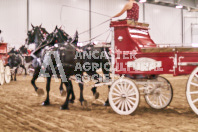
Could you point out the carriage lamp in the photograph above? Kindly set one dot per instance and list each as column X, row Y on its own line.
column 120, row 38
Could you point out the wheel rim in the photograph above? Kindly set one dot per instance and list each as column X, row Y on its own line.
column 1, row 72
column 7, row 74
column 124, row 97
column 192, row 91
column 162, row 96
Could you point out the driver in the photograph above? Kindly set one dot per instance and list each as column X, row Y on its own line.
column 132, row 9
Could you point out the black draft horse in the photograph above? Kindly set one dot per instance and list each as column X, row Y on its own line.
column 69, row 63
column 67, row 54
column 16, row 60
column 96, row 57
column 41, row 38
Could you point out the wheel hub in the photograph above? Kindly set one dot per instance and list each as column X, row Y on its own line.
column 157, row 92
column 123, row 96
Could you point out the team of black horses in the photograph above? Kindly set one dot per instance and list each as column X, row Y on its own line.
column 58, row 54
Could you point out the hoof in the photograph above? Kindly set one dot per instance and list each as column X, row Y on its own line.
column 14, row 79
column 64, row 107
column 96, row 95
column 63, row 92
column 85, row 103
column 106, row 104
column 45, row 103
column 40, row 92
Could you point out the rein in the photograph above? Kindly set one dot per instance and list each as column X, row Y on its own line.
column 95, row 26
column 68, row 6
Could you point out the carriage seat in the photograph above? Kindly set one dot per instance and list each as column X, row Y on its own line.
column 129, row 22
column 137, row 24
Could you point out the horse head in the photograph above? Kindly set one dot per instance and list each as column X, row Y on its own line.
column 13, row 51
column 23, row 50
column 35, row 35
column 58, row 36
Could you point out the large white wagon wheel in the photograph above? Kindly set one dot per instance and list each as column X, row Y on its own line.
column 124, row 96
column 160, row 94
column 7, row 74
column 192, row 90
column 1, row 72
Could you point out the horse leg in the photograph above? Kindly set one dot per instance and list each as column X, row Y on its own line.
column 11, row 76
column 72, row 92
column 107, row 77
column 15, row 73
column 65, row 105
column 107, row 101
column 24, row 69
column 94, row 91
column 47, row 102
column 35, row 76
column 62, row 91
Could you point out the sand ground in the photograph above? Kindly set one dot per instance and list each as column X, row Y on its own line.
column 21, row 110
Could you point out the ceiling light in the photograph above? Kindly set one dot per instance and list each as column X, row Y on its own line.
column 179, row 6
column 142, row 1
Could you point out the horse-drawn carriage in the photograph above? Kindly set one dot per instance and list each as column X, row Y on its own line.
column 5, row 75
column 135, row 58
column 140, row 61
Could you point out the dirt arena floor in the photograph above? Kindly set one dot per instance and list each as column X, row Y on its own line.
column 21, row 110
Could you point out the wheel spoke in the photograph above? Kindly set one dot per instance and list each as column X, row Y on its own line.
column 131, row 102
column 195, row 100
column 126, row 105
column 164, row 97
column 160, row 101
column 116, row 94
column 116, row 98
column 131, row 98
column 163, row 100
column 196, row 92
column 122, row 108
column 119, row 104
column 124, row 86
column 132, row 94
column 196, row 75
column 127, row 89
column 195, row 84
column 119, row 88
column 131, row 91
column 118, row 101
column 127, row 101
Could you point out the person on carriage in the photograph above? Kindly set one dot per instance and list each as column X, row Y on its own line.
column 1, row 38
column 132, row 9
